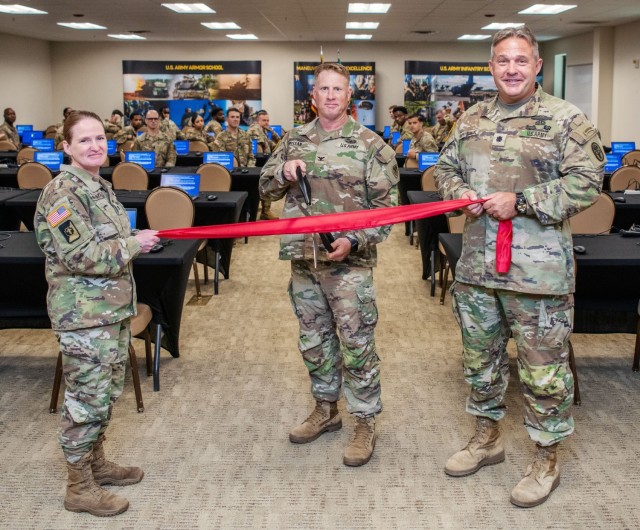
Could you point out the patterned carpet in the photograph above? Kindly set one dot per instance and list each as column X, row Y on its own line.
column 213, row 442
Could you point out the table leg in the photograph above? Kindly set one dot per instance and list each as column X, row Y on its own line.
column 156, row 360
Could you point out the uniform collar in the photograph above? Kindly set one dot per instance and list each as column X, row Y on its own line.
column 530, row 108
column 90, row 181
column 346, row 131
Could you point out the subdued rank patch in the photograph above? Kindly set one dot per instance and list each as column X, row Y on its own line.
column 597, row 151
column 69, row 231
column 57, row 216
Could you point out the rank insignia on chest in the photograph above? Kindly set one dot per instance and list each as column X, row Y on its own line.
column 499, row 139
column 69, row 231
column 57, row 216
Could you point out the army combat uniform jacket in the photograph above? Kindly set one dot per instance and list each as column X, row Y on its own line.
column 85, row 235
column 214, row 126
column 350, row 169
column 191, row 133
column 424, row 144
column 161, row 144
column 11, row 133
column 549, row 151
column 256, row 132
column 239, row 145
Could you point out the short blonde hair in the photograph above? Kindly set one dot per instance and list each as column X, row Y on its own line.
column 331, row 67
column 522, row 32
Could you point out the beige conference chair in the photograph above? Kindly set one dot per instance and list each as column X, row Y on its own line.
column 33, row 176
column 198, row 146
column 597, row 219
column 25, row 155
column 625, row 178
column 631, row 158
column 6, row 145
column 129, row 176
column 214, row 177
column 456, row 226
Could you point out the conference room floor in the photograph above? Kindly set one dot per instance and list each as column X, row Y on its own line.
column 213, row 442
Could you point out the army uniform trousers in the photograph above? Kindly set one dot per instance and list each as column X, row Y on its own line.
column 541, row 326
column 337, row 313
column 93, row 364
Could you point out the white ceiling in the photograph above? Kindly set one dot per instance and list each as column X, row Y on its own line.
column 306, row 20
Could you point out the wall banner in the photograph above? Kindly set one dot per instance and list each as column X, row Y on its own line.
column 362, row 81
column 191, row 88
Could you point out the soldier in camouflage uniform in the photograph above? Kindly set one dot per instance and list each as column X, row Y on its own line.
column 400, row 125
column 155, row 140
column 215, row 125
column 235, row 140
column 442, row 128
column 85, row 235
column 113, row 125
column 167, row 125
column 59, row 137
column 196, row 132
column 332, row 294
column 130, row 132
column 538, row 161
column 258, row 132
column 8, row 129
column 422, row 141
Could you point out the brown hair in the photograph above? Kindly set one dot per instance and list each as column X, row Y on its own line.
column 331, row 67
column 522, row 32
column 76, row 117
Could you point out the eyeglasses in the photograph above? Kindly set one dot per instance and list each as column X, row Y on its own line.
column 153, row 119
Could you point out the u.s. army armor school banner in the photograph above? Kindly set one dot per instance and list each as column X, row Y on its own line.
column 362, row 82
column 191, row 88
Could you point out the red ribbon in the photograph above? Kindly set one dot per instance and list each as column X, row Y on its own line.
column 344, row 222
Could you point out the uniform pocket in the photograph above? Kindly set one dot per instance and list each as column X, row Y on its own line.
column 367, row 300
column 555, row 321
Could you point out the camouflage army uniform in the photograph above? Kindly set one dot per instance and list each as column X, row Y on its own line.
column 441, row 132
column 214, row 126
column 191, row 133
column 125, row 134
column 11, row 133
column 549, row 151
column 161, row 144
column 85, row 235
column 348, row 169
column 257, row 132
column 239, row 145
column 424, row 144
column 59, row 137
column 168, row 127
column 111, row 128
column 405, row 133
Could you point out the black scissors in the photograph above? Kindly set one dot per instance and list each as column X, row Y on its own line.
column 305, row 188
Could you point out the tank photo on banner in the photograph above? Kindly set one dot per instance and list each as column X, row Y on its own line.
column 450, row 87
column 362, row 81
column 192, row 89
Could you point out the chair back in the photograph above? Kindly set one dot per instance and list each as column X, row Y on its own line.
column 198, row 145
column 597, row 219
column 33, row 176
column 399, row 147
column 411, row 163
column 167, row 207
column 456, row 223
column 51, row 129
column 25, row 155
column 632, row 158
column 625, row 178
column 129, row 176
column 214, row 177
column 428, row 182
column 6, row 145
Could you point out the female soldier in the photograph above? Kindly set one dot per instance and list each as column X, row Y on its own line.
column 85, row 235
column 196, row 132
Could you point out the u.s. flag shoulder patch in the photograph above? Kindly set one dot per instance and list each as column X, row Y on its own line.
column 57, row 216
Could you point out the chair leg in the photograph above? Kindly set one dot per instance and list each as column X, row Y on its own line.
column 206, row 266
column 216, row 273
column 432, row 265
column 136, row 377
column 57, row 378
column 636, row 357
column 246, row 238
column 411, row 232
column 147, row 351
column 156, row 360
column 574, row 370
column 445, row 280
column 195, row 274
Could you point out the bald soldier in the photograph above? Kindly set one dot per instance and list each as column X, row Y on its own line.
column 155, row 140
column 348, row 168
column 538, row 161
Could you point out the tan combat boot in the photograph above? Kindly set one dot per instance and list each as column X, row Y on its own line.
column 84, row 495
column 324, row 418
column 541, row 478
column 484, row 449
column 267, row 214
column 105, row 472
column 359, row 451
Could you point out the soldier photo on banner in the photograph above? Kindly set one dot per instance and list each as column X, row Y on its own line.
column 191, row 89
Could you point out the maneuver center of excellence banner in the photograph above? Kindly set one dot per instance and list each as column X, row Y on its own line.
column 191, row 88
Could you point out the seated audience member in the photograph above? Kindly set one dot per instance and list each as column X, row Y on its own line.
column 443, row 126
column 235, row 140
column 155, row 140
column 114, row 124
column 400, row 114
column 8, row 129
column 59, row 136
column 196, row 132
column 215, row 125
column 422, row 141
column 130, row 132
column 168, row 126
column 259, row 132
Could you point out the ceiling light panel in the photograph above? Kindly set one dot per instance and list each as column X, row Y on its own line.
column 189, row 9
column 363, row 25
column 17, row 9
column 546, row 9
column 474, row 37
column 220, row 25
column 503, row 25
column 126, row 36
column 80, row 25
column 242, row 36
column 369, row 8
column 357, row 36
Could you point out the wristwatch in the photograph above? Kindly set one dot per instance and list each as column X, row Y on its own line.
column 521, row 204
column 354, row 243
